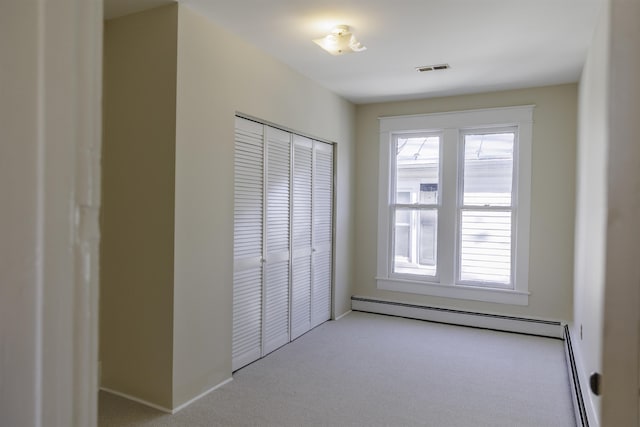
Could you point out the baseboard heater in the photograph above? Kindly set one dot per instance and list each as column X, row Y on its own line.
column 544, row 328
column 579, row 407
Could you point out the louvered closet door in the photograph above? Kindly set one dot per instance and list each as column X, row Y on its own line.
column 301, row 226
column 276, row 282
column 247, row 248
column 322, row 232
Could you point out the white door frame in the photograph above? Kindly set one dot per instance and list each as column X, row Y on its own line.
column 50, row 133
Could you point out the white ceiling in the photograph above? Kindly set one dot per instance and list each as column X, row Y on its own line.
column 490, row 44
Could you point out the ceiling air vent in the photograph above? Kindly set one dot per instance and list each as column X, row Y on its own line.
column 432, row 68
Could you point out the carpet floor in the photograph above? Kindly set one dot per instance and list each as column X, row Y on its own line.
column 373, row 370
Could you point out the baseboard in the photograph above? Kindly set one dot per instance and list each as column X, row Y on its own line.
column 201, row 395
column 584, row 409
column 136, row 399
column 342, row 315
column 162, row 408
column 580, row 411
column 545, row 328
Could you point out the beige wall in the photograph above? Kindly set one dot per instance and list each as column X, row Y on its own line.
column 591, row 211
column 219, row 75
column 136, row 304
column 552, row 192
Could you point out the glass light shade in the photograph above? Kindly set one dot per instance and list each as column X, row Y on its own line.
column 340, row 41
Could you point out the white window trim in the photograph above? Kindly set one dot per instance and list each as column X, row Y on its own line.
column 450, row 124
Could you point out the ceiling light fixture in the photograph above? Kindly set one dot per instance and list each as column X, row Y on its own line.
column 340, row 41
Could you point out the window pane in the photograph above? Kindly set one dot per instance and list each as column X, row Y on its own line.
column 488, row 169
column 403, row 197
column 403, row 242
column 417, row 168
column 428, row 238
column 485, row 247
column 415, row 241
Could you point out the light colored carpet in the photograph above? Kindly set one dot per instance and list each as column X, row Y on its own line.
column 372, row 370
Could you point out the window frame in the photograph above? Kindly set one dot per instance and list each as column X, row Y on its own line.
column 452, row 126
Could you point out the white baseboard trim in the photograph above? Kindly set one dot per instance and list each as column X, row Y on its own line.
column 201, row 395
column 584, row 409
column 162, row 408
column 545, row 328
column 342, row 315
column 136, row 399
column 579, row 410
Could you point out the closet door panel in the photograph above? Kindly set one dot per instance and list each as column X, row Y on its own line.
column 277, row 239
column 247, row 317
column 301, row 229
column 301, row 296
column 321, row 288
column 276, row 333
column 248, row 241
column 322, row 232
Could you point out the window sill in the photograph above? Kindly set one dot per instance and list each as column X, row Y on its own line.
column 501, row 296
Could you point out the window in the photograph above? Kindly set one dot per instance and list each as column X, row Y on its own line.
column 485, row 210
column 454, row 204
column 415, row 208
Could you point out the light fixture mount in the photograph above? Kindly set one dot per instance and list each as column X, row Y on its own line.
column 340, row 41
column 340, row 30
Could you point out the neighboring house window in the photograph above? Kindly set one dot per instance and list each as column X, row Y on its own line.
column 454, row 204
